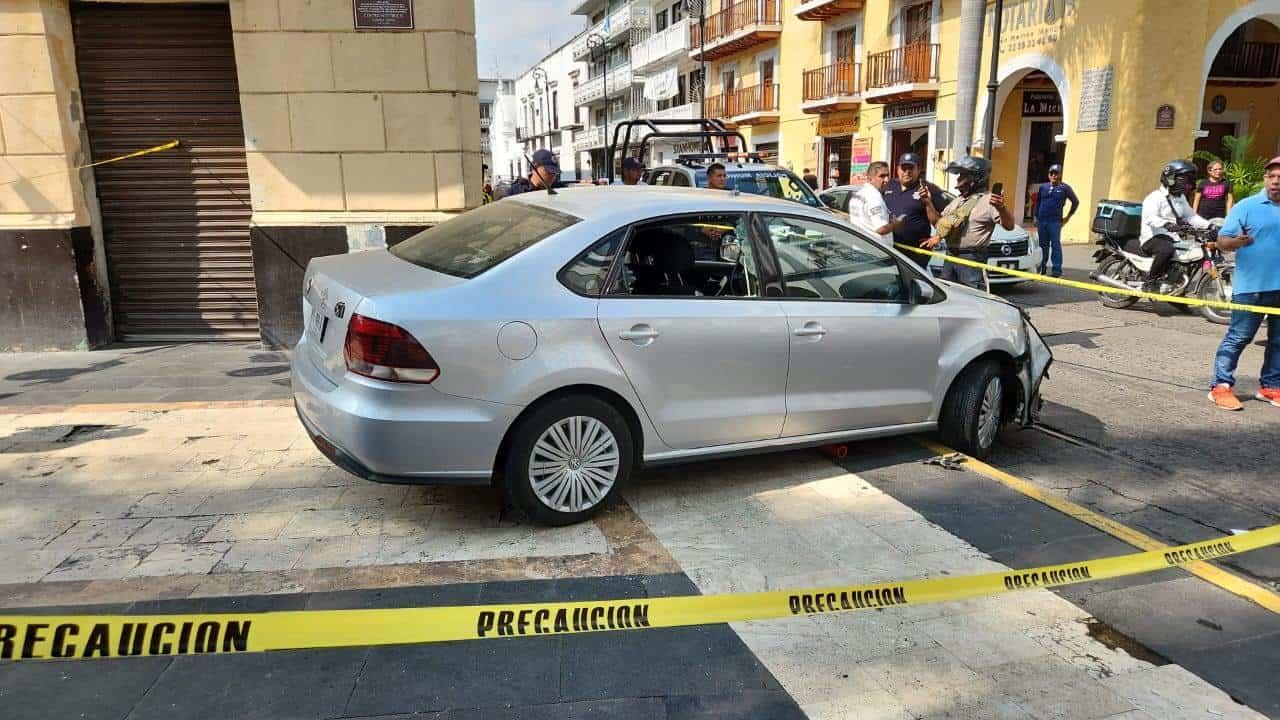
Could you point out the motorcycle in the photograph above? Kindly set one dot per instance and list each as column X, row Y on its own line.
column 1198, row 270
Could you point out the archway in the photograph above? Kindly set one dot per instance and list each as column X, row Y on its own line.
column 1033, row 114
column 1241, row 73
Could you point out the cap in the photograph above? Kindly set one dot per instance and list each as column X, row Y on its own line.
column 631, row 163
column 1273, row 162
column 1055, row 168
column 545, row 158
column 909, row 159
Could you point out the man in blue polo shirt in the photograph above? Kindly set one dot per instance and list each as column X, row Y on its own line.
column 1253, row 232
column 1051, row 198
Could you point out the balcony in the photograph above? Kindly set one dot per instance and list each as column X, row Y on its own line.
column 590, row 139
column 906, row 73
column 741, row 26
column 756, row 105
column 616, row 26
column 819, row 10
column 687, row 111
column 591, row 92
column 485, row 146
column 523, row 133
column 485, row 123
column 719, row 106
column 1254, row 64
column 832, row 88
column 660, row 46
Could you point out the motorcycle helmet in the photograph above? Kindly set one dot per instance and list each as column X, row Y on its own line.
column 1179, row 177
column 978, row 170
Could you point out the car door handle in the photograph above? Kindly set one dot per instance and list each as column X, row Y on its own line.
column 810, row 329
column 639, row 334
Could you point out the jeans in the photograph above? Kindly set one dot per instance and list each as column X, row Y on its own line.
column 1244, row 326
column 973, row 277
column 1050, row 244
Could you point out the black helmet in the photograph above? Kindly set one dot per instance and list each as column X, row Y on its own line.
column 978, row 169
column 1179, row 177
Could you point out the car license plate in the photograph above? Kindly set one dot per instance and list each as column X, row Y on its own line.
column 318, row 325
column 1013, row 264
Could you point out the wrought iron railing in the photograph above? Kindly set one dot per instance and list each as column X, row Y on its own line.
column 843, row 79
column 916, row 63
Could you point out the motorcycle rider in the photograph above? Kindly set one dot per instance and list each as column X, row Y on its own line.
column 1162, row 211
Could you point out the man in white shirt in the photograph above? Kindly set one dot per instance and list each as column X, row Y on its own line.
column 1162, row 211
column 866, row 204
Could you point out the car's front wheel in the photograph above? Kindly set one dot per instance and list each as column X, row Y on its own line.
column 973, row 411
column 567, row 459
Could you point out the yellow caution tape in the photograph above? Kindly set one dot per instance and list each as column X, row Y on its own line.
column 28, row 637
column 1093, row 287
column 158, row 148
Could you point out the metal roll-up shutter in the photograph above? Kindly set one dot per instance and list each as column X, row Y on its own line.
column 176, row 223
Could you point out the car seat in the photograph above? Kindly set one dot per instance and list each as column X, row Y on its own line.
column 661, row 262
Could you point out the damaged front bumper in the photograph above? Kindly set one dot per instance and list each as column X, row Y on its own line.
column 1033, row 368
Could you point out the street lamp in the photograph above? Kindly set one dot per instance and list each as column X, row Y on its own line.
column 594, row 41
column 701, row 7
column 993, row 85
column 540, row 81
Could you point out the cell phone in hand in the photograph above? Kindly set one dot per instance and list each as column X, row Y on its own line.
column 997, row 189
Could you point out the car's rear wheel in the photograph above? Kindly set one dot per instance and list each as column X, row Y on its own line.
column 567, row 460
column 973, row 411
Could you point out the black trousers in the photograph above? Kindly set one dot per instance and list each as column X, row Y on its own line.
column 1160, row 249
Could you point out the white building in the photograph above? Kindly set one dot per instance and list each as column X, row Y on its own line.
column 661, row 64
column 545, row 110
column 505, row 153
column 488, row 98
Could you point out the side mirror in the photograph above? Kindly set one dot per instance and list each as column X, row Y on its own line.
column 924, row 292
column 730, row 248
column 829, row 201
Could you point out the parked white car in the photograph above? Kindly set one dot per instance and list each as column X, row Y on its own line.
column 552, row 343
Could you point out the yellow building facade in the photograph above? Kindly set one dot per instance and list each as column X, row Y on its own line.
column 1112, row 90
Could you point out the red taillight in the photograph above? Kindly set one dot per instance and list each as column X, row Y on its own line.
column 388, row 352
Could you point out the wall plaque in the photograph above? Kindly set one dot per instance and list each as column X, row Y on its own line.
column 383, row 14
column 1095, row 99
column 1165, row 116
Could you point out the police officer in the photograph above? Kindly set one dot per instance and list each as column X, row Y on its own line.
column 545, row 174
column 968, row 223
column 918, row 202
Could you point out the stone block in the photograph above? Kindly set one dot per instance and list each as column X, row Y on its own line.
column 262, row 556
column 24, row 65
column 42, row 185
column 334, row 523
column 21, row 17
column 444, row 15
column 1173, row 692
column 295, row 181
column 451, row 186
column 99, row 563
column 473, row 178
column 468, row 110
column 316, row 15
column 284, row 62
column 353, row 551
column 389, row 181
column 451, row 61
column 266, row 122
column 423, row 121
column 254, row 15
column 29, row 565
column 379, row 61
column 336, row 121
column 173, row 530
column 31, row 125
column 181, row 559
column 253, row 526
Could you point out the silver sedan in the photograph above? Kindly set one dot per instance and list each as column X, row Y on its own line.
column 553, row 343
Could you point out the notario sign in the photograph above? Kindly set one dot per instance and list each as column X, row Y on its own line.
column 1032, row 24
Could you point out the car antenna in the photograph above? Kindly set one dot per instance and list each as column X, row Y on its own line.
column 550, row 190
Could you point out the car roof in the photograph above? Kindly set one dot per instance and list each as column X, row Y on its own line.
column 729, row 167
column 632, row 203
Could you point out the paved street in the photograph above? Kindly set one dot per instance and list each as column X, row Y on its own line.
column 121, row 489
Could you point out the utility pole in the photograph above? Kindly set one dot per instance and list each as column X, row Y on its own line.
column 971, row 16
column 993, row 84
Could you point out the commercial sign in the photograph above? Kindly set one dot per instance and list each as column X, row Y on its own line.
column 1041, row 103
column 1031, row 24
column 860, row 159
column 910, row 109
column 383, row 14
column 838, row 123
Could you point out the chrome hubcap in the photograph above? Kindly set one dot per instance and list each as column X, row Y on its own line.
column 574, row 464
column 989, row 415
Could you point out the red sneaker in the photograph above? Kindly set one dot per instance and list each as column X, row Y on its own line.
column 1224, row 398
column 1269, row 395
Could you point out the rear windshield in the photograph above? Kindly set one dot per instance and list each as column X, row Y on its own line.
column 770, row 182
column 481, row 239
